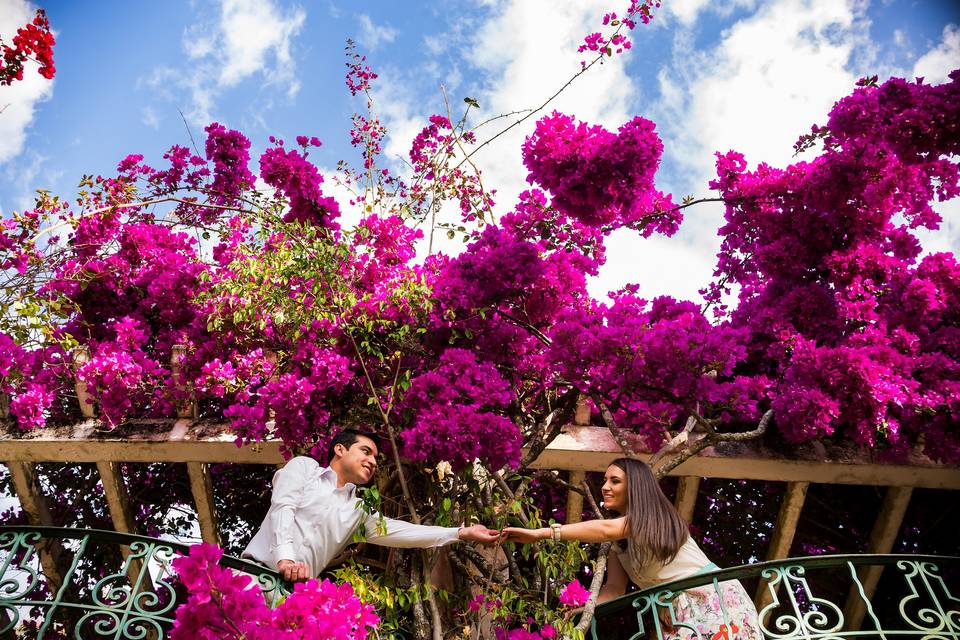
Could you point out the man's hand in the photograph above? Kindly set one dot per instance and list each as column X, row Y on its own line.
column 479, row 533
column 293, row 571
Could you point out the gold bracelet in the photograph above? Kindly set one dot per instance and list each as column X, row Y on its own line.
column 555, row 531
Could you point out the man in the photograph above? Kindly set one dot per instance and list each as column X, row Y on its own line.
column 314, row 513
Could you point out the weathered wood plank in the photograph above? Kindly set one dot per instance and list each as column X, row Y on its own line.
column 882, row 538
column 201, row 485
column 34, row 504
column 574, row 499
column 80, row 357
column 186, row 408
column 578, row 448
column 119, row 504
column 784, row 531
column 686, row 499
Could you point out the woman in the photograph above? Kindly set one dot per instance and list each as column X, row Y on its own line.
column 658, row 549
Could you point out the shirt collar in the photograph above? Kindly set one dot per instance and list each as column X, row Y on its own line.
column 330, row 476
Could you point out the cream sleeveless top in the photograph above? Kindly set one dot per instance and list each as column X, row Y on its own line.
column 689, row 561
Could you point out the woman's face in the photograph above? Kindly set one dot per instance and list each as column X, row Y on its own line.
column 614, row 490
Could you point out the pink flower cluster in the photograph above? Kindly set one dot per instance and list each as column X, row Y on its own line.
column 359, row 74
column 223, row 605
column 832, row 293
column 439, row 174
column 229, row 151
column 616, row 42
column 368, row 135
column 32, row 40
column 600, row 178
column 454, row 415
column 546, row 632
column 574, row 595
column 649, row 361
column 299, row 180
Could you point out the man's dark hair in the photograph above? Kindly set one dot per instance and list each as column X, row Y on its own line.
column 348, row 437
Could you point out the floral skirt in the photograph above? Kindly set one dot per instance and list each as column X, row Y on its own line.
column 724, row 612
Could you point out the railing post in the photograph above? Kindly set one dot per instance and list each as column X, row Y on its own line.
column 81, row 356
column 882, row 537
column 201, row 485
column 34, row 504
column 119, row 504
column 783, row 532
column 686, row 500
column 574, row 499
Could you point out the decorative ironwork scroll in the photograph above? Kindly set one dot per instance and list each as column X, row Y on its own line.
column 916, row 601
column 133, row 599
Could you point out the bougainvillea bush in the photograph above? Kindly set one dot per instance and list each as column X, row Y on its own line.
column 181, row 282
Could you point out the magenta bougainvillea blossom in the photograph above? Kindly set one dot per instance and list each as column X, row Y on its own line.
column 33, row 40
column 222, row 604
column 598, row 177
column 839, row 304
column 574, row 595
column 842, row 325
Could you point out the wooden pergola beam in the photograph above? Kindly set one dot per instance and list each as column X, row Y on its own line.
column 80, row 357
column 783, row 533
column 201, row 485
column 577, row 448
column 34, row 504
column 593, row 448
column 882, row 538
column 686, row 499
column 119, row 504
column 574, row 499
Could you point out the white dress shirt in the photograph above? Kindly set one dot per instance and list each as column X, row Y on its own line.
column 311, row 520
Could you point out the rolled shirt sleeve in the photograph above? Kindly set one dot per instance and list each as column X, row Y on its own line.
column 288, row 487
column 406, row 535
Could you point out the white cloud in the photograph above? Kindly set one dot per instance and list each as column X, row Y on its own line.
column 688, row 11
column 30, row 172
column 150, row 118
column 247, row 38
column 18, row 102
column 251, row 31
column 372, row 35
column 942, row 59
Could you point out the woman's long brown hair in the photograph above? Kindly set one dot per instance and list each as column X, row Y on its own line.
column 656, row 531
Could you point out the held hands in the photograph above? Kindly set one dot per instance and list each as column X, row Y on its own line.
column 293, row 571
column 479, row 533
column 525, row 536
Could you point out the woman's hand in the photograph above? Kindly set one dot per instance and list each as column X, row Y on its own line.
column 525, row 536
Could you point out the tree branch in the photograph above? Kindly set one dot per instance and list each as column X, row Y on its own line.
column 611, row 425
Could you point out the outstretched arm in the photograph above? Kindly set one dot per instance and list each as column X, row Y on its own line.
column 408, row 535
column 589, row 531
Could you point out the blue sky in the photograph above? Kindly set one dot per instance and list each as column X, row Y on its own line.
column 740, row 74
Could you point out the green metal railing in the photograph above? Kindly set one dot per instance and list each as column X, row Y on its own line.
column 813, row 598
column 94, row 590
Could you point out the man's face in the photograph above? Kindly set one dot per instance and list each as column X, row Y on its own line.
column 359, row 462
